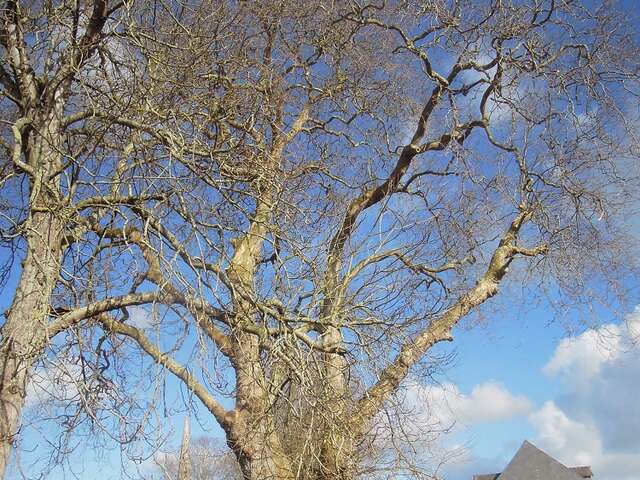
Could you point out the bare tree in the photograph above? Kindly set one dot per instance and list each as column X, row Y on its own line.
column 203, row 459
column 61, row 175
column 312, row 197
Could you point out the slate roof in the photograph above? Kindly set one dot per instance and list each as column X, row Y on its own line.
column 531, row 463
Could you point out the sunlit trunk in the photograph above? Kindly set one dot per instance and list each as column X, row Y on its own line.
column 264, row 460
column 25, row 331
column 24, row 334
column 338, row 448
column 254, row 440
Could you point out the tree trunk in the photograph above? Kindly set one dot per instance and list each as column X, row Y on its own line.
column 263, row 460
column 24, row 334
column 337, row 454
column 254, row 439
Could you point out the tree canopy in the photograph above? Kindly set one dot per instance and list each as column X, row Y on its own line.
column 286, row 206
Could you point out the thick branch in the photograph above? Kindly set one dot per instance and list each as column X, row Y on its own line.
column 11, row 89
column 12, row 38
column 115, row 200
column 200, row 309
column 440, row 329
column 77, row 315
column 224, row 418
column 79, row 52
column 18, row 148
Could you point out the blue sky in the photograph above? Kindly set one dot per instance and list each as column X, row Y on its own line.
column 550, row 387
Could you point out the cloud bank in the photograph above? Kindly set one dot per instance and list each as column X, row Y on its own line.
column 593, row 419
column 596, row 418
column 447, row 406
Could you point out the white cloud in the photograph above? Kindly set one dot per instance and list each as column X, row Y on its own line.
column 446, row 405
column 445, row 408
column 415, row 426
column 140, row 317
column 595, row 419
column 576, row 443
column 582, row 357
column 571, row 441
column 587, row 353
column 57, row 381
column 490, row 402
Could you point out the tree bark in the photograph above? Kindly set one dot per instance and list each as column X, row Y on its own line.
column 337, row 453
column 24, row 334
column 259, row 450
column 254, row 439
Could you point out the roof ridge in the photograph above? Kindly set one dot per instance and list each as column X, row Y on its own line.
column 534, row 463
column 538, row 465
